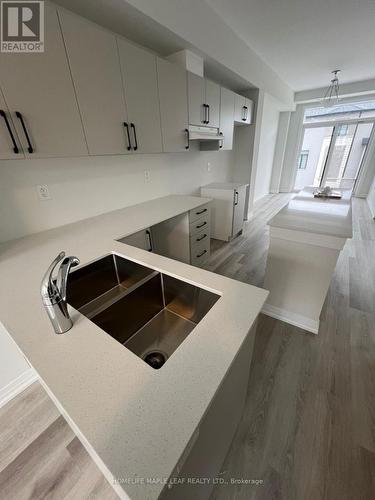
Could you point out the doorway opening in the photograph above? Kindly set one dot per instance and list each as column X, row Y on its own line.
column 335, row 141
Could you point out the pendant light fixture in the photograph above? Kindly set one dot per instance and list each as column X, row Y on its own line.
column 331, row 96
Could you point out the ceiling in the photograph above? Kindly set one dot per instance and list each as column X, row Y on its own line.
column 303, row 40
column 122, row 18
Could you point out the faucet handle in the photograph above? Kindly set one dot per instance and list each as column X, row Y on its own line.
column 48, row 289
column 62, row 276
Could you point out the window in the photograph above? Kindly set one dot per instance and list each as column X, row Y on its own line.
column 342, row 130
column 302, row 160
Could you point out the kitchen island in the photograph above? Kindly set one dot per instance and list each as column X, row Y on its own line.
column 140, row 425
column 306, row 238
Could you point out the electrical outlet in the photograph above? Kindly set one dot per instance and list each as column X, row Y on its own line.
column 43, row 192
column 208, row 166
column 147, row 176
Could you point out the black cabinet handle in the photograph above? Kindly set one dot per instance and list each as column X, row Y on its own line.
column 128, row 135
column 149, row 240
column 208, row 113
column 236, row 197
column 201, row 212
column 135, row 137
column 202, row 225
column 221, row 141
column 205, row 113
column 200, row 254
column 187, row 138
column 201, row 238
column 15, row 147
column 30, row 148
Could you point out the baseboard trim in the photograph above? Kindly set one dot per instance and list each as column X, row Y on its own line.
column 294, row 319
column 17, row 385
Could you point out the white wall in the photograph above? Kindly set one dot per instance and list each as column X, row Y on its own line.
column 83, row 187
column 267, row 142
column 371, row 198
column 15, row 372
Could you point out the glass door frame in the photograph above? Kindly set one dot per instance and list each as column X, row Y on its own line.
column 336, row 126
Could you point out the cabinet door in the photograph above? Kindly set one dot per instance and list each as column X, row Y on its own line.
column 39, row 86
column 9, row 141
column 213, row 101
column 93, row 58
column 173, row 106
column 196, row 93
column 138, row 67
column 227, row 117
column 248, row 111
column 239, row 209
column 239, row 108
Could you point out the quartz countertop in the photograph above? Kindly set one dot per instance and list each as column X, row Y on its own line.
column 224, row 185
column 134, row 420
column 327, row 216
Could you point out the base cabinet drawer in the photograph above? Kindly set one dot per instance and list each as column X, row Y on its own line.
column 199, row 212
column 200, row 225
column 200, row 252
column 198, row 238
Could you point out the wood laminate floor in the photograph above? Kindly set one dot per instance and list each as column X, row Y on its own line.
column 308, row 429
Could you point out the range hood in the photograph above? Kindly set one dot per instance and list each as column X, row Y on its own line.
column 197, row 133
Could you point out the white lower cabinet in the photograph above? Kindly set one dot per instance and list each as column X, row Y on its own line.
column 206, row 451
column 228, row 207
column 185, row 237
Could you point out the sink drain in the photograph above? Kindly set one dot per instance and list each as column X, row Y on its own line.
column 156, row 359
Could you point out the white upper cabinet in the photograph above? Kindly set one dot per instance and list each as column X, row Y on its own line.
column 94, row 62
column 227, row 117
column 243, row 110
column 172, row 83
column 138, row 67
column 204, row 101
column 197, row 105
column 39, row 92
column 9, row 141
column 213, row 103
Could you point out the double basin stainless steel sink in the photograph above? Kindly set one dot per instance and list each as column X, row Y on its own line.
column 148, row 312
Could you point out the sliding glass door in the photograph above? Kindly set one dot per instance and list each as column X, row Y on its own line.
column 348, row 147
column 332, row 154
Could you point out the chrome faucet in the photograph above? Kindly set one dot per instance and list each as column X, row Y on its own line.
column 54, row 293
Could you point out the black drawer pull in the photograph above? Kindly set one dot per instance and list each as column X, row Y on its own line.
column 187, row 138
column 15, row 147
column 128, row 135
column 30, row 148
column 148, row 234
column 135, row 137
column 202, row 225
column 200, row 254
column 201, row 238
column 201, row 212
